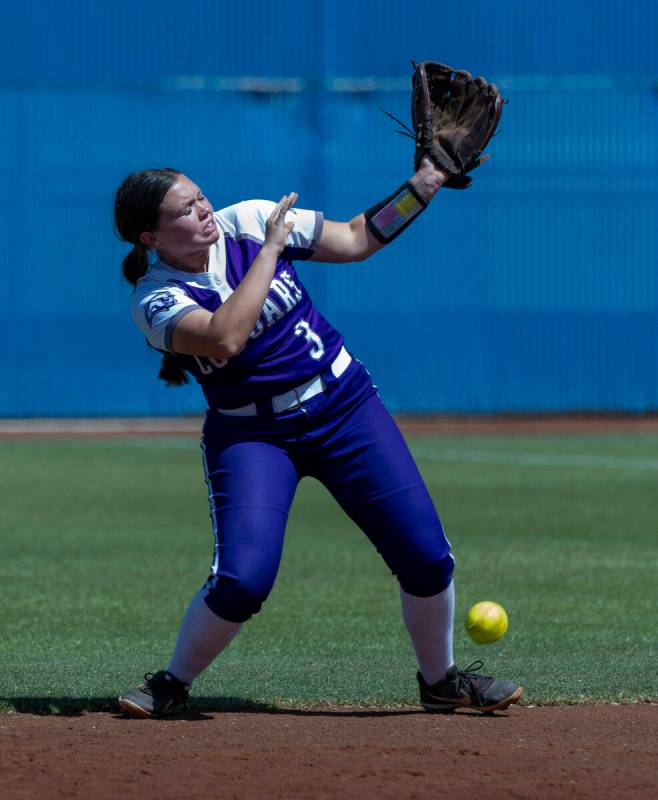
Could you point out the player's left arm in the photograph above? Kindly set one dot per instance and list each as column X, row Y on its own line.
column 353, row 240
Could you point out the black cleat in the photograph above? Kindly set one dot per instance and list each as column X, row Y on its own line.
column 162, row 695
column 468, row 690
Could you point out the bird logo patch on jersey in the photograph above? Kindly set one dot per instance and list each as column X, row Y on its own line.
column 158, row 302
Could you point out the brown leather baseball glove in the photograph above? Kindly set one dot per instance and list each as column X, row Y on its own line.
column 454, row 116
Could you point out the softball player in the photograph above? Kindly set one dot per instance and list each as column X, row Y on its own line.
column 218, row 295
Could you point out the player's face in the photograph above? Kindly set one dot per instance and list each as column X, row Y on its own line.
column 186, row 222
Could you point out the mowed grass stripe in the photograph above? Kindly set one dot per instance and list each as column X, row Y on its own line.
column 523, row 457
column 530, row 459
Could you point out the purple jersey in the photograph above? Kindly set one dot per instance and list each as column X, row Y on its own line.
column 291, row 341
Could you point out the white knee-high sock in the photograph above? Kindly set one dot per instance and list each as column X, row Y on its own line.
column 202, row 637
column 430, row 621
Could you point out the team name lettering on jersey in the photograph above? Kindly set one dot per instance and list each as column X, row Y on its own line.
column 287, row 277
column 288, row 294
column 207, row 364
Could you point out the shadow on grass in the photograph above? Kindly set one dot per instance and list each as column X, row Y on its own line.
column 199, row 707
column 76, row 706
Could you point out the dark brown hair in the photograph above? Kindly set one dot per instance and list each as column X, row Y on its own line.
column 137, row 209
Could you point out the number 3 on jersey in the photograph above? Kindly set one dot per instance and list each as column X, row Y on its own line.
column 302, row 328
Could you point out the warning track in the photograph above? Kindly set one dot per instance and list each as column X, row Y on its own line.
column 418, row 425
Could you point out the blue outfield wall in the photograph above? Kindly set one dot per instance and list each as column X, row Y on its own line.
column 68, row 41
column 535, row 291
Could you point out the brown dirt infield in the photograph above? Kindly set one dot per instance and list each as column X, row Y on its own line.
column 587, row 751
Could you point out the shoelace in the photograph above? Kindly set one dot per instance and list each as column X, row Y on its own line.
column 155, row 679
column 151, row 680
column 175, row 687
column 467, row 678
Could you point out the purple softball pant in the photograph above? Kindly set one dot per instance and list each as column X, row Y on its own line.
column 346, row 439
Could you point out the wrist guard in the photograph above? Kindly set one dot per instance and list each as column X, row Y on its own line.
column 388, row 219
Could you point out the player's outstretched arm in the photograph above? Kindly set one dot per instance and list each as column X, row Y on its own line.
column 359, row 238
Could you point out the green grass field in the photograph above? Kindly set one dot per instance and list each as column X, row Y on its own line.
column 103, row 543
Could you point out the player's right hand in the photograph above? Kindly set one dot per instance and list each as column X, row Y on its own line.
column 276, row 228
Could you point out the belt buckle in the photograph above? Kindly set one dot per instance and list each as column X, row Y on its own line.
column 297, row 402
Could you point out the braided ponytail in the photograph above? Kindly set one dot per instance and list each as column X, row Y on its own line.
column 136, row 210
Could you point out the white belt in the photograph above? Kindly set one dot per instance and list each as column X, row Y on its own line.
column 300, row 394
